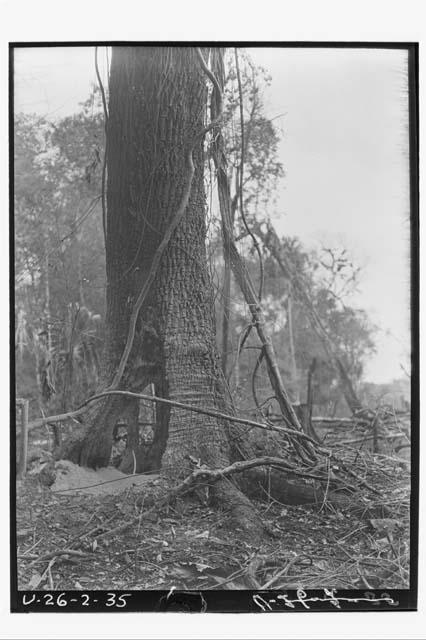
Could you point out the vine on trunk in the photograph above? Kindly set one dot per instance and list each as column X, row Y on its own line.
column 176, row 218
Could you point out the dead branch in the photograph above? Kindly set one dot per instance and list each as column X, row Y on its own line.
column 292, row 433
column 393, row 436
column 338, row 421
column 62, row 552
column 173, row 403
column 206, row 475
column 61, row 417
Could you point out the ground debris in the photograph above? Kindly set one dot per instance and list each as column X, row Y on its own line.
column 187, row 545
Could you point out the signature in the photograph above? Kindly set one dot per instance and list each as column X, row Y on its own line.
column 267, row 604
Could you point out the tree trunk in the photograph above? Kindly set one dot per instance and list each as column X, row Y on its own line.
column 157, row 106
column 294, row 374
column 48, row 371
column 243, row 279
column 226, row 316
column 226, row 313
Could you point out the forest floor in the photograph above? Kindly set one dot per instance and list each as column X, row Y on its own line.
column 64, row 539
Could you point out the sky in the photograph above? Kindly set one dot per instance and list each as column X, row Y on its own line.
column 343, row 114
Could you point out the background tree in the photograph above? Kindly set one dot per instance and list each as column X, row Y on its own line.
column 351, row 331
column 58, row 336
column 251, row 147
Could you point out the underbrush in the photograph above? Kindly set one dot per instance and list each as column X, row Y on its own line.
column 66, row 541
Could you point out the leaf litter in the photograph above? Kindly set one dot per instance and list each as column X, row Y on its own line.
column 189, row 546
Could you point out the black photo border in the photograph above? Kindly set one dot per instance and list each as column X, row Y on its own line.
column 234, row 601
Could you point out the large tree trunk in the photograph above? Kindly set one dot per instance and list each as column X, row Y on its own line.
column 157, row 105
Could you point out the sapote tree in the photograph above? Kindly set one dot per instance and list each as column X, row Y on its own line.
column 160, row 329
column 160, row 326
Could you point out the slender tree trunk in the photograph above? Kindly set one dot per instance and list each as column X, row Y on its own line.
column 226, row 316
column 47, row 313
column 245, row 283
column 294, row 374
column 77, row 244
column 226, row 313
column 48, row 372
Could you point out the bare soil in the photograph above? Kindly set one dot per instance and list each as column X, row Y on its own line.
column 109, row 480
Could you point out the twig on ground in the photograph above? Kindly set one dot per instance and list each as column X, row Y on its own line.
column 363, row 578
column 62, row 552
column 49, row 572
column 32, row 548
column 280, row 574
column 327, row 487
column 204, row 475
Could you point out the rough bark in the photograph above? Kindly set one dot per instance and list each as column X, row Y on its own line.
column 157, row 105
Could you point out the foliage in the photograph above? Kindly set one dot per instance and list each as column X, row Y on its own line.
column 349, row 328
column 59, row 253
column 262, row 167
column 58, row 267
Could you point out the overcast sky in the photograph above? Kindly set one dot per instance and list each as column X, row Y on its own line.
column 344, row 150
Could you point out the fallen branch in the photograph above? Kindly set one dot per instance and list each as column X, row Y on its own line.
column 354, row 475
column 61, row 552
column 338, row 421
column 61, row 417
column 216, row 414
column 393, row 436
column 173, row 403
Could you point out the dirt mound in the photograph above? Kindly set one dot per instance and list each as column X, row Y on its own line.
column 70, row 476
